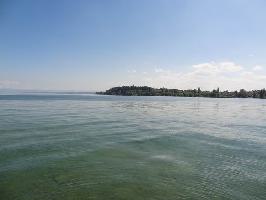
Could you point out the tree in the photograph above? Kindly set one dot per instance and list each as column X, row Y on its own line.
column 242, row 93
column 263, row 93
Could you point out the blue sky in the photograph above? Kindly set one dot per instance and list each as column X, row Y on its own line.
column 94, row 45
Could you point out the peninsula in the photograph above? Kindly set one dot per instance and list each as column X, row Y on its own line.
column 149, row 91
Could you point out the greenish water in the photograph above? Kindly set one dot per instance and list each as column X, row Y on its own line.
column 131, row 148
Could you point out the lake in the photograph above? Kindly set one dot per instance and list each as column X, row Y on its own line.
column 84, row 146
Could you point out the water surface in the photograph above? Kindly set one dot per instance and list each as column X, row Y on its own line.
column 106, row 147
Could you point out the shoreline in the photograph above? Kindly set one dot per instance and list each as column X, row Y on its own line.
column 149, row 91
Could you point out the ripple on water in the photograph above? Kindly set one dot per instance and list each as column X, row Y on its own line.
column 132, row 148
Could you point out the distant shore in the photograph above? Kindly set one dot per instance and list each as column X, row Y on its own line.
column 149, row 91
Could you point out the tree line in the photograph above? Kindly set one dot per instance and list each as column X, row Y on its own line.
column 216, row 93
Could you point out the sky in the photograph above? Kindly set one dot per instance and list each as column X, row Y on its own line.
column 97, row 44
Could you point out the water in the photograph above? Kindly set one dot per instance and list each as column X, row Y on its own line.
column 152, row 148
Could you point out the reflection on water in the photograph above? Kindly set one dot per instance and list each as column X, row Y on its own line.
column 107, row 147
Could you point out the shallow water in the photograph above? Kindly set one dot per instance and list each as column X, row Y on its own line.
column 108, row 147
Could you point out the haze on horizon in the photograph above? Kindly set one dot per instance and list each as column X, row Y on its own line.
column 95, row 45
